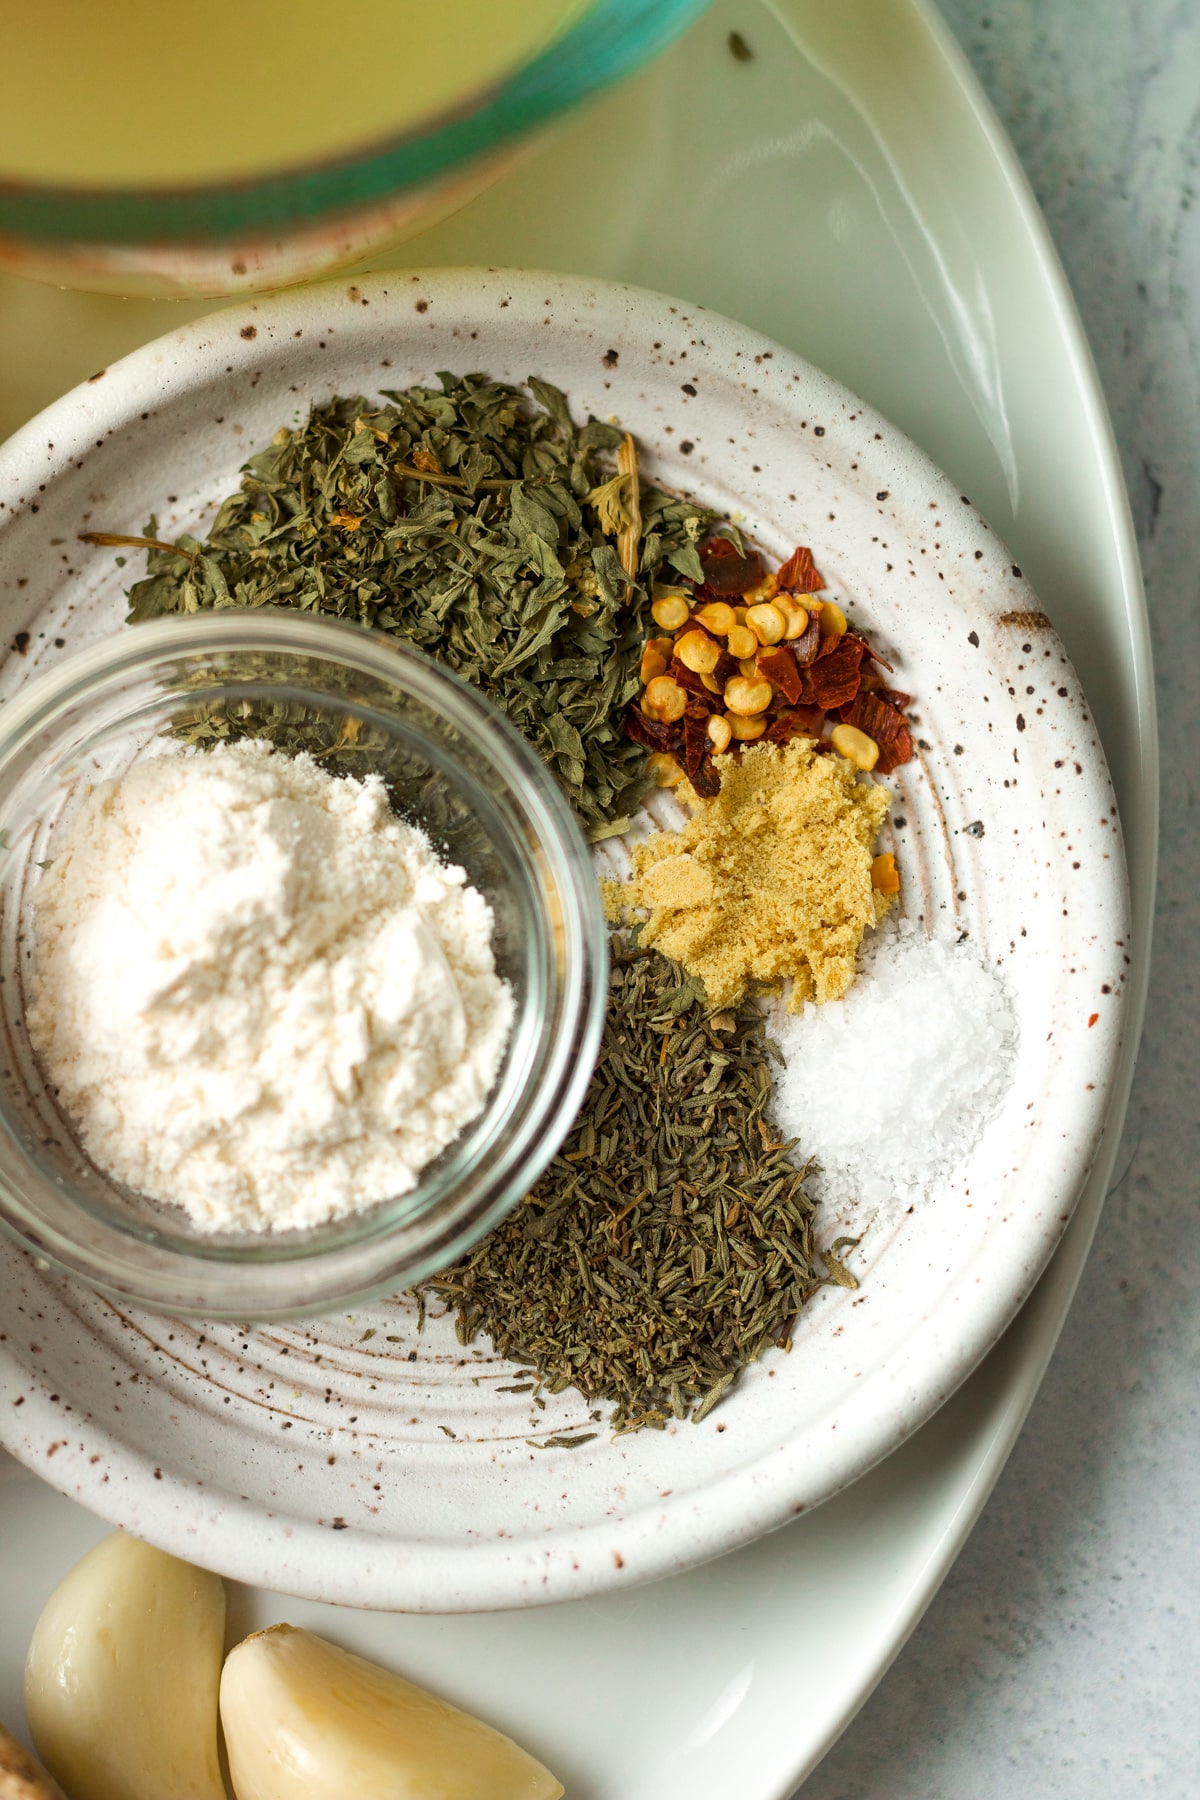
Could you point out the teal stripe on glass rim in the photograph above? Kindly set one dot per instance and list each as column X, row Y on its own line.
column 613, row 38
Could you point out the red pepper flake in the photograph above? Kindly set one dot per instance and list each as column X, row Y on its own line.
column 688, row 678
column 696, row 743
column 833, row 642
column 1092, row 1020
column 797, row 721
column 834, row 679
column 725, row 670
column 799, row 574
column 875, row 657
column 652, row 734
column 706, row 781
column 726, row 571
column 725, row 665
column 812, row 678
column 697, row 752
column 876, row 683
column 716, row 548
column 806, row 648
column 696, row 628
column 886, row 724
column 779, row 667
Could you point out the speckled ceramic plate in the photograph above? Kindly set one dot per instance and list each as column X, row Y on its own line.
column 357, row 1459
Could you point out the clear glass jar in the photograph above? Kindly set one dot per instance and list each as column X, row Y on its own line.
column 455, row 767
column 267, row 230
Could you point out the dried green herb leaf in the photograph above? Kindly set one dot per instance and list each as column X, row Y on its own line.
column 562, row 1442
column 836, row 1272
column 671, row 1240
column 459, row 519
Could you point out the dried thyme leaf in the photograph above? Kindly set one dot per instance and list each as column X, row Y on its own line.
column 561, row 1442
column 836, row 1272
column 464, row 520
column 671, row 1240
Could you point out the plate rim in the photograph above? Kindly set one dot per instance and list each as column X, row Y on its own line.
column 625, row 1552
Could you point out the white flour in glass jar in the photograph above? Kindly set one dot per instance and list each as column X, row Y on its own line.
column 258, row 993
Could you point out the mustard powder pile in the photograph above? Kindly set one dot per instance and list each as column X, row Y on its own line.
column 771, row 879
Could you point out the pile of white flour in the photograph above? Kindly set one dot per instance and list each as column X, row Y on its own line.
column 258, row 993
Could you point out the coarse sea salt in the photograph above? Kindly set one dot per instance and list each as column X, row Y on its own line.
column 890, row 1088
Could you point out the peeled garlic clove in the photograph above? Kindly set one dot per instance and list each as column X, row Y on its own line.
column 22, row 1777
column 306, row 1721
column 122, row 1677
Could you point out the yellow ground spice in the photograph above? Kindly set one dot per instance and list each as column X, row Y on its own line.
column 771, row 879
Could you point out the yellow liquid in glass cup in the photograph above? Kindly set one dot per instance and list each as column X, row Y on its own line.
column 132, row 93
column 111, row 100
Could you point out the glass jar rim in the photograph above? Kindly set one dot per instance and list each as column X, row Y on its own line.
column 365, row 1254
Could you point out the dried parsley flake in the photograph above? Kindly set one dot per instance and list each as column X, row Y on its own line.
column 478, row 526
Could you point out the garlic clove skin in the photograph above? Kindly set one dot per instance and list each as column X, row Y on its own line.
column 122, row 1677
column 304, row 1720
column 22, row 1777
